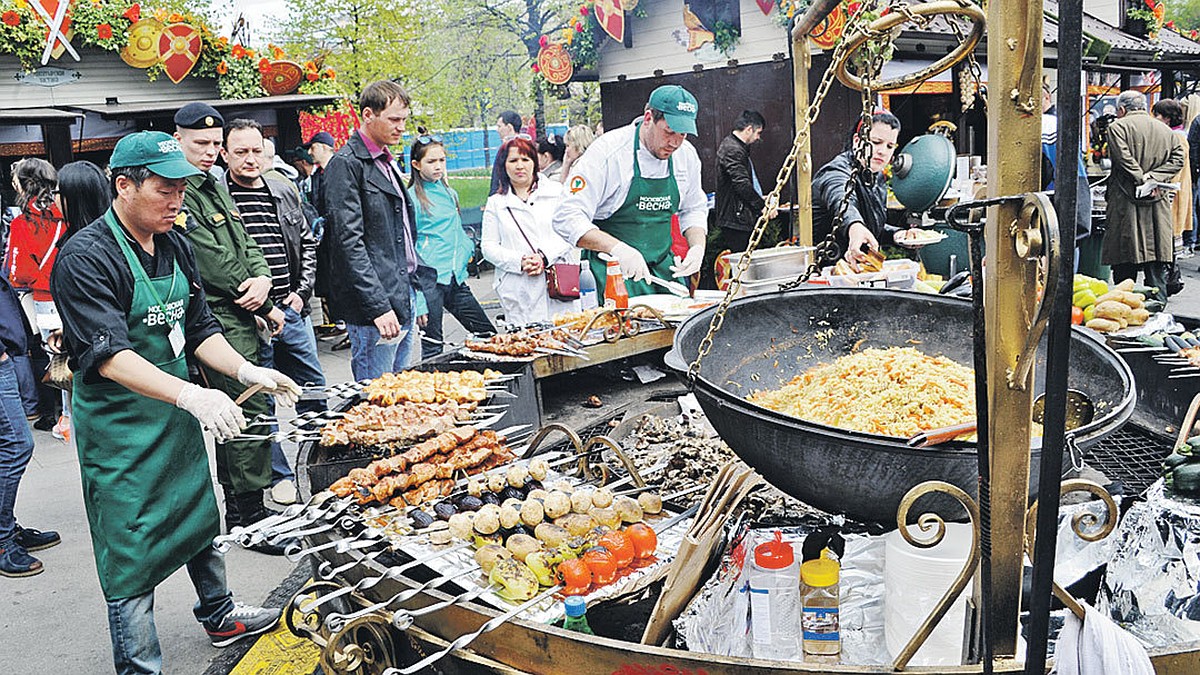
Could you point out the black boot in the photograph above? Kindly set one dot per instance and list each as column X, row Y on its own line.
column 250, row 509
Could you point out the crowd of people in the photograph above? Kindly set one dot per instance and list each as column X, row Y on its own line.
column 181, row 278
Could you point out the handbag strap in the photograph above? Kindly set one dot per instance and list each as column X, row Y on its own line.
column 522, row 231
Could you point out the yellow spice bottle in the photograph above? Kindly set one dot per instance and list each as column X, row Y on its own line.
column 820, row 618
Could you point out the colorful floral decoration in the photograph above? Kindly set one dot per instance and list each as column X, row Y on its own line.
column 339, row 120
column 176, row 40
column 1152, row 13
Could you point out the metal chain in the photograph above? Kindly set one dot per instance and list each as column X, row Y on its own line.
column 772, row 201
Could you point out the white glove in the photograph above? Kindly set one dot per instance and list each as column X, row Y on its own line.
column 690, row 263
column 213, row 409
column 633, row 265
column 286, row 391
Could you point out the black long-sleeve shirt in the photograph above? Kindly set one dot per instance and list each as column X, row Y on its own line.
column 92, row 286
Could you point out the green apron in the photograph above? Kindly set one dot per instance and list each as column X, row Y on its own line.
column 643, row 222
column 146, row 483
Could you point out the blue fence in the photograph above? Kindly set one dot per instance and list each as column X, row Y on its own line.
column 472, row 148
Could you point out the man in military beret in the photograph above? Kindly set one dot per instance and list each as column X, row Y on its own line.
column 237, row 281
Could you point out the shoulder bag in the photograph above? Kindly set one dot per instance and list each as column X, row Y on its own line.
column 562, row 279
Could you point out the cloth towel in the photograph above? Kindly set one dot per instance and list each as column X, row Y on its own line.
column 1098, row 646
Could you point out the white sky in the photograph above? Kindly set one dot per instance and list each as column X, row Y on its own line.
column 259, row 14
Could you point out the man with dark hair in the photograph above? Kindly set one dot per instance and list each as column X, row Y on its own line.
column 508, row 124
column 274, row 218
column 739, row 194
column 371, row 227
column 628, row 186
column 863, row 225
column 237, row 283
column 133, row 307
column 1139, row 235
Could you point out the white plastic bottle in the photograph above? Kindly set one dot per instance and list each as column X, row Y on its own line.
column 775, row 601
column 587, row 287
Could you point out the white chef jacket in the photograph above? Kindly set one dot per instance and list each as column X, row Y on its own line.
column 599, row 183
column 524, row 298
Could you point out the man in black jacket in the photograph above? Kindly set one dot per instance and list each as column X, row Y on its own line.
column 371, row 228
column 739, row 195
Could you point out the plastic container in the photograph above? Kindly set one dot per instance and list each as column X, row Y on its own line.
column 615, row 293
column 899, row 274
column 775, row 601
column 576, row 608
column 820, row 620
column 914, row 581
column 587, row 287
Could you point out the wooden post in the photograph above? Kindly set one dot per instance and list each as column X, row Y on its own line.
column 1014, row 152
column 801, row 64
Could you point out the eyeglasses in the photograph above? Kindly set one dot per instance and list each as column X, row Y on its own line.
column 425, row 140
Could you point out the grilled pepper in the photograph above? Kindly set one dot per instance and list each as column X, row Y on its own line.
column 516, row 581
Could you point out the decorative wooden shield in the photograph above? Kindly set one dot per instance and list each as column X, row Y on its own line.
column 555, row 64
column 60, row 33
column 283, row 77
column 142, row 49
column 179, row 50
column 766, row 6
column 611, row 18
column 826, row 34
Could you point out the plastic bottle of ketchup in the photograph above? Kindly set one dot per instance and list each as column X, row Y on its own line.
column 615, row 293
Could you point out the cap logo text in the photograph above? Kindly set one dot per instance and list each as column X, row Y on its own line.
column 686, row 106
column 171, row 145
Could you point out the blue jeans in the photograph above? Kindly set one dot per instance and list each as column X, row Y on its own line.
column 294, row 353
column 369, row 359
column 16, row 446
column 456, row 298
column 27, row 384
column 131, row 620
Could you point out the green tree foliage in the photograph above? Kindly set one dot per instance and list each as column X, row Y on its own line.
column 1185, row 14
column 463, row 61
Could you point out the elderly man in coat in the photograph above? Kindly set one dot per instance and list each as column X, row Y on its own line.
column 1140, row 234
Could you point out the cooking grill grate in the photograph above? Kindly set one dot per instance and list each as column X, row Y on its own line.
column 1130, row 456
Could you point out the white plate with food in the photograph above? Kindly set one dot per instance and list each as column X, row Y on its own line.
column 916, row 237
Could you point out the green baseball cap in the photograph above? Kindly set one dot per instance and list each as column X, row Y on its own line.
column 678, row 107
column 155, row 150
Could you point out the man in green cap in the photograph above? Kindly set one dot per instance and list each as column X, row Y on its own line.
column 134, row 311
column 237, row 281
column 629, row 184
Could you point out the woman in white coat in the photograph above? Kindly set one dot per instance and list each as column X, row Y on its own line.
column 518, row 240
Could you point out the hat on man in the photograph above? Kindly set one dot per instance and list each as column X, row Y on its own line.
column 199, row 116
column 678, row 107
column 321, row 137
column 154, row 150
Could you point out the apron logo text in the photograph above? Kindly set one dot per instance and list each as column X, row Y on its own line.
column 646, row 203
column 155, row 316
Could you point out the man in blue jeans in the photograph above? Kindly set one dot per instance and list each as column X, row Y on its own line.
column 377, row 275
column 16, row 445
column 273, row 216
column 134, row 313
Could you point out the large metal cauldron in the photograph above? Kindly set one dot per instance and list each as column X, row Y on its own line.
column 768, row 339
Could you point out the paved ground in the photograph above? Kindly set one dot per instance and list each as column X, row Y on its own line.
column 55, row 622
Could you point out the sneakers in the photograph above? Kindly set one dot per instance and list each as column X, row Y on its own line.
column 36, row 540
column 284, row 492
column 15, row 561
column 62, row 429
column 242, row 622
